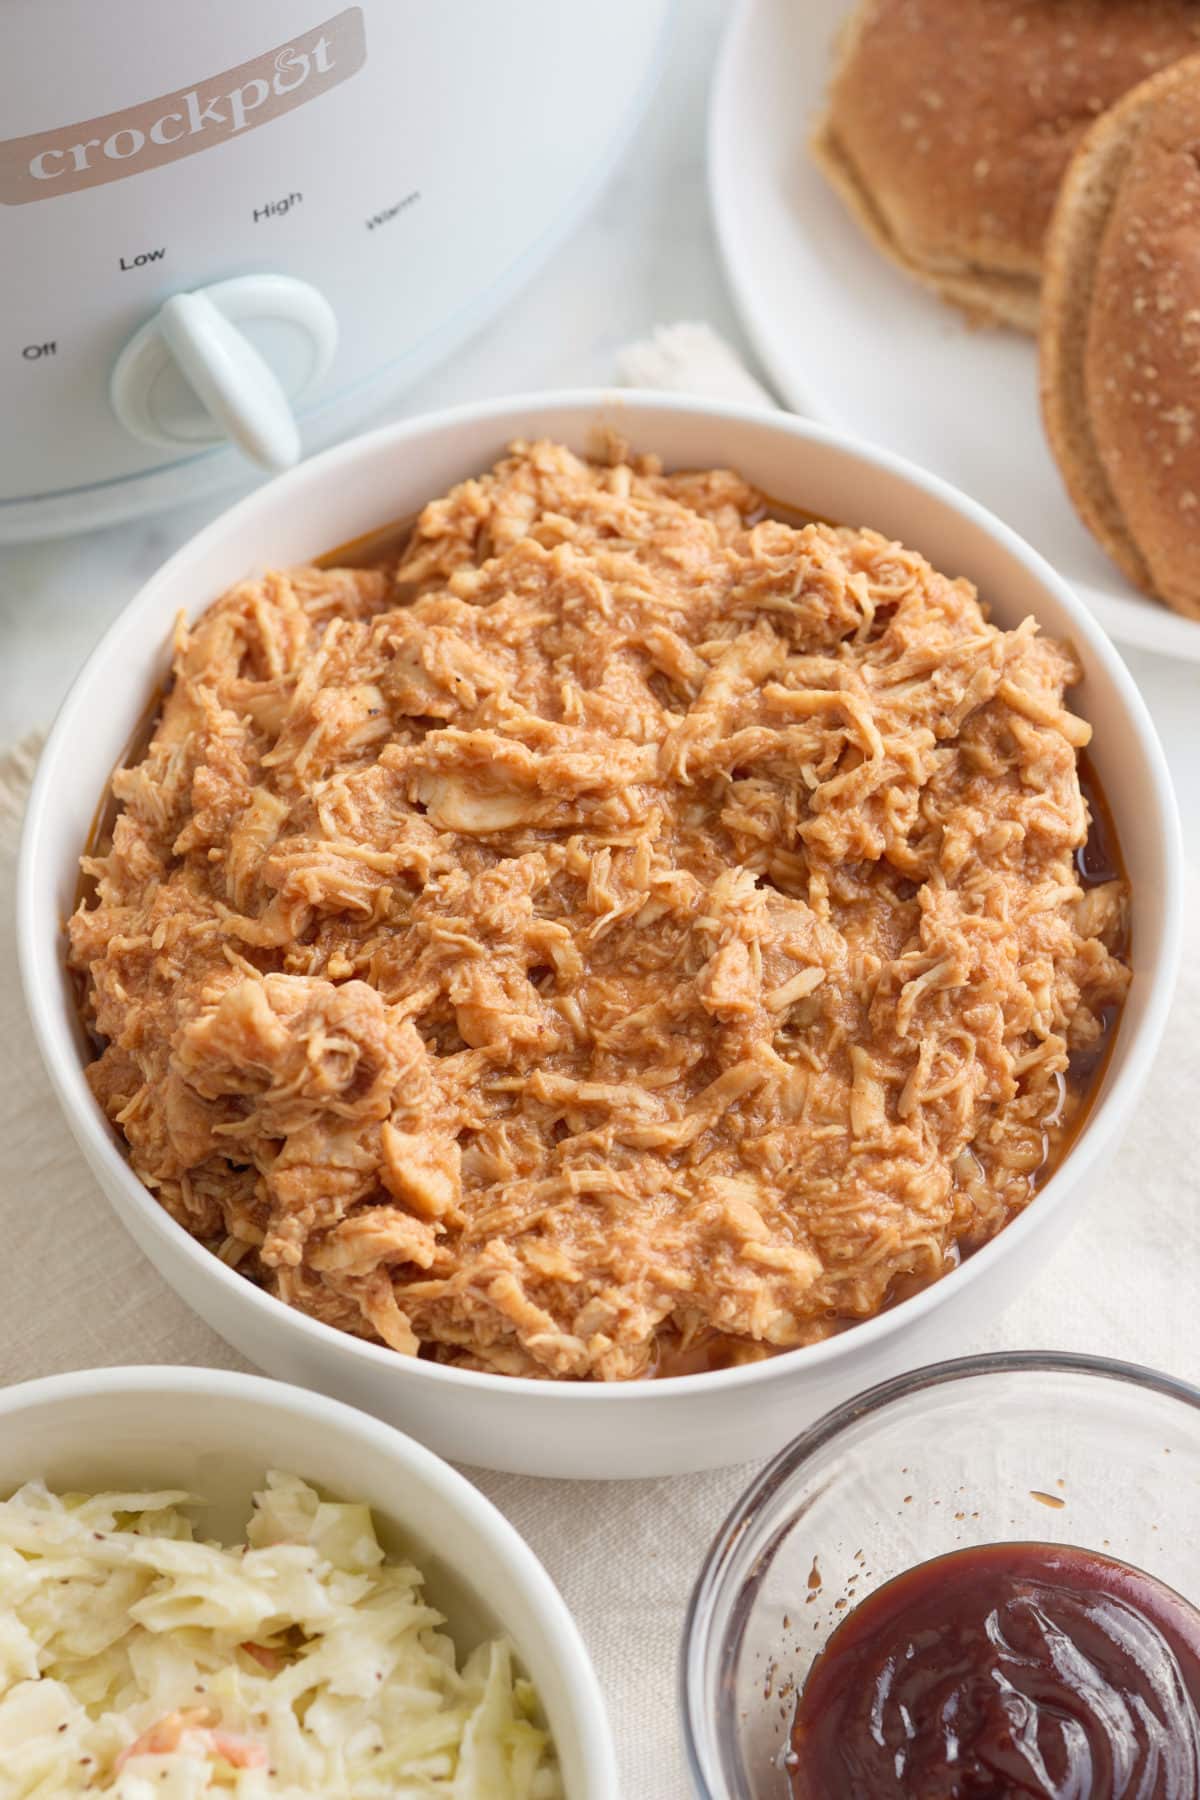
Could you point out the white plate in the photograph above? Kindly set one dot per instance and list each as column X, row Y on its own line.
column 850, row 340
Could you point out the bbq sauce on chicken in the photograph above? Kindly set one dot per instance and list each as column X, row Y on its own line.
column 1007, row 1671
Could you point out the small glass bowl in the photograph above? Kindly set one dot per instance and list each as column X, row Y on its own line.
column 1031, row 1446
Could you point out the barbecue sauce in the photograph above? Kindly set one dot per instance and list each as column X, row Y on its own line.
column 1008, row 1671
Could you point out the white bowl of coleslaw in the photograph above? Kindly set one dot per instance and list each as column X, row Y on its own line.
column 141, row 1657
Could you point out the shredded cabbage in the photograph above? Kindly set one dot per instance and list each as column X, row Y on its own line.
column 138, row 1662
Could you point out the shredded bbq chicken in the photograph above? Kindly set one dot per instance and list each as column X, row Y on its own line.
column 627, row 923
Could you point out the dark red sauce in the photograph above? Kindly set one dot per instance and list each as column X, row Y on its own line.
column 1008, row 1671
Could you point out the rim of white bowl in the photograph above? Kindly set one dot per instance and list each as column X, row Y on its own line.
column 1109, row 1113
column 311, row 1410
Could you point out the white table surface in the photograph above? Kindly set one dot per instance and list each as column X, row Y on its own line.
column 645, row 255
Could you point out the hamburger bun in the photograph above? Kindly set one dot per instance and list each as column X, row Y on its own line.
column 1120, row 334
column 950, row 123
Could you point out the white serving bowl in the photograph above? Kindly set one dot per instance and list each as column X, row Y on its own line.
column 216, row 1434
column 543, row 1427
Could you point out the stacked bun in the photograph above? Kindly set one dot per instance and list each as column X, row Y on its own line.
column 950, row 124
column 1037, row 163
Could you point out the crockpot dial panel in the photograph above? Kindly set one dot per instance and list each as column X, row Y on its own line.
column 402, row 159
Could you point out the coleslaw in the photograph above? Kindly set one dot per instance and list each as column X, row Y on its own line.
column 138, row 1662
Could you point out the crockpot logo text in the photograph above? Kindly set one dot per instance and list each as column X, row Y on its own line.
column 173, row 125
column 226, row 111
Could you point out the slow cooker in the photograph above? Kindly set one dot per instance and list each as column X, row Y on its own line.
column 231, row 230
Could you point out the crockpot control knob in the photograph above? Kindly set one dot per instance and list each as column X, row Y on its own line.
column 223, row 364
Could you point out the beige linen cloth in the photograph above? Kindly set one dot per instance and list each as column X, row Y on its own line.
column 75, row 1292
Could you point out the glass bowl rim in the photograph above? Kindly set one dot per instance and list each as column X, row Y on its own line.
column 828, row 1428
